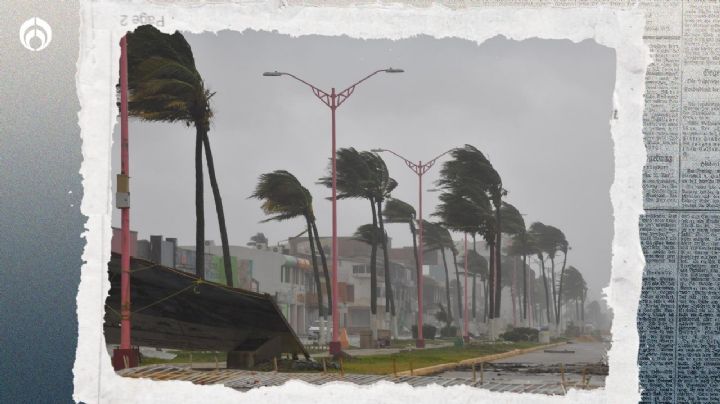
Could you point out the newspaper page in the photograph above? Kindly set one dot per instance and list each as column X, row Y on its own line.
column 677, row 326
column 678, row 315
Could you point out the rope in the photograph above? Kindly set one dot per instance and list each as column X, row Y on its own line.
column 113, row 310
column 194, row 284
column 132, row 271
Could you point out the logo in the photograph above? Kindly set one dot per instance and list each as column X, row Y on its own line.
column 35, row 34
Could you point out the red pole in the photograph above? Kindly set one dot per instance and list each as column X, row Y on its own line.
column 465, row 310
column 125, row 212
column 420, row 343
column 334, row 345
column 124, row 357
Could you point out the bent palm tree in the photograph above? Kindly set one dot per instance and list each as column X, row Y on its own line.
column 397, row 211
column 364, row 175
column 383, row 185
column 285, row 198
column 477, row 265
column 165, row 86
column 523, row 245
column 471, row 174
column 436, row 238
column 544, row 244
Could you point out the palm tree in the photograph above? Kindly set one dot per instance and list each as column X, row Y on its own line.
column 397, row 211
column 258, row 238
column 554, row 242
column 563, row 247
column 577, row 291
column 469, row 213
column 285, row 198
column 165, row 86
column 477, row 265
column 353, row 181
column 538, row 232
column 470, row 174
column 512, row 224
column 383, row 185
column 523, row 245
column 364, row 175
column 368, row 234
column 436, row 238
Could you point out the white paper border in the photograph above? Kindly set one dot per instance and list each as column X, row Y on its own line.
column 100, row 33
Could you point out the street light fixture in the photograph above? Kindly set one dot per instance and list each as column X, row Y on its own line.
column 418, row 168
column 333, row 100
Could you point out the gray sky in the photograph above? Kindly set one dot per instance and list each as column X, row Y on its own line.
column 539, row 109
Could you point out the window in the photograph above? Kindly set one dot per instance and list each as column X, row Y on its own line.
column 360, row 269
column 284, row 274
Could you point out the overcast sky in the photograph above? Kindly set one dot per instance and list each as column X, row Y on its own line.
column 539, row 109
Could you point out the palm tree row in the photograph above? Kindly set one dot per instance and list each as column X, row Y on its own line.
column 468, row 205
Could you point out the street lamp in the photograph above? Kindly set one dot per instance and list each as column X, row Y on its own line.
column 333, row 100
column 418, row 168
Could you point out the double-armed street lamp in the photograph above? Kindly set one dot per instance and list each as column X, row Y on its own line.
column 333, row 100
column 418, row 168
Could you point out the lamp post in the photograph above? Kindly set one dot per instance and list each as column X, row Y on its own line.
column 124, row 356
column 418, row 168
column 333, row 100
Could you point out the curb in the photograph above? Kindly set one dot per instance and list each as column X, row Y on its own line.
column 487, row 358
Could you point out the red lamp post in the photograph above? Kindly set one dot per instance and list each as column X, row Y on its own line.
column 125, row 356
column 418, row 168
column 333, row 100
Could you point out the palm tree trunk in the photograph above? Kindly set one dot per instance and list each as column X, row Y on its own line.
column 474, row 281
column 491, row 281
column 562, row 276
column 316, row 272
column 547, row 292
column 389, row 300
column 328, row 286
column 555, row 297
column 373, row 264
column 220, row 212
column 512, row 292
column 577, row 309
column 199, row 207
column 486, row 298
column 498, row 261
column 459, row 298
column 474, row 275
column 525, row 291
column 582, row 308
column 418, row 270
column 415, row 250
column 447, row 286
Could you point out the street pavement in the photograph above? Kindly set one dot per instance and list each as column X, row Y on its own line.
column 540, row 367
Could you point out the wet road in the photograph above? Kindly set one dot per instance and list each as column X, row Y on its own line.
column 546, row 367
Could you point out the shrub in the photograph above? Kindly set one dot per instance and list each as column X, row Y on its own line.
column 448, row 331
column 572, row 330
column 520, row 334
column 429, row 331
